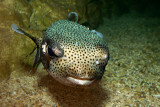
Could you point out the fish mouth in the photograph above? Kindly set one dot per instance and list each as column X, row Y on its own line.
column 80, row 81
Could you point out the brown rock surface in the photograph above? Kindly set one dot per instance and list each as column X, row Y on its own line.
column 7, row 40
column 44, row 12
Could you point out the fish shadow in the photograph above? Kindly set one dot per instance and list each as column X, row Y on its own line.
column 67, row 96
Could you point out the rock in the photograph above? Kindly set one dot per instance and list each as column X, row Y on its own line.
column 47, row 12
column 13, row 49
column 39, row 14
column 22, row 10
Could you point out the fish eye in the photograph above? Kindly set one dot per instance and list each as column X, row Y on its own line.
column 55, row 51
column 50, row 51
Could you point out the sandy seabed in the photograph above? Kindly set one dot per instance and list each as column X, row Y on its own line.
column 131, row 79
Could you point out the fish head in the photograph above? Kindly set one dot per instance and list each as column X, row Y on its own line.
column 73, row 54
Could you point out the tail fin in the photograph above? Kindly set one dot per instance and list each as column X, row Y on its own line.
column 37, row 41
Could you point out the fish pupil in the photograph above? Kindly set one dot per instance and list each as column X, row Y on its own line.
column 50, row 52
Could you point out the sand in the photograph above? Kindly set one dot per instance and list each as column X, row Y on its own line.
column 131, row 79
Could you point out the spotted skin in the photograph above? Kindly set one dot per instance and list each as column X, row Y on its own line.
column 73, row 54
column 85, row 53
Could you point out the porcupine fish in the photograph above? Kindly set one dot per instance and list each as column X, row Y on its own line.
column 71, row 53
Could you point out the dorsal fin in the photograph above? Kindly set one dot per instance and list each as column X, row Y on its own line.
column 73, row 16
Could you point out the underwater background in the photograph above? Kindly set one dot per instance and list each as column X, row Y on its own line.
column 131, row 29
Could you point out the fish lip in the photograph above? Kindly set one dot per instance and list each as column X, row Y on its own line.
column 80, row 81
column 81, row 78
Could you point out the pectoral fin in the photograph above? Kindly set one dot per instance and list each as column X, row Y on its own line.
column 37, row 61
column 36, row 41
